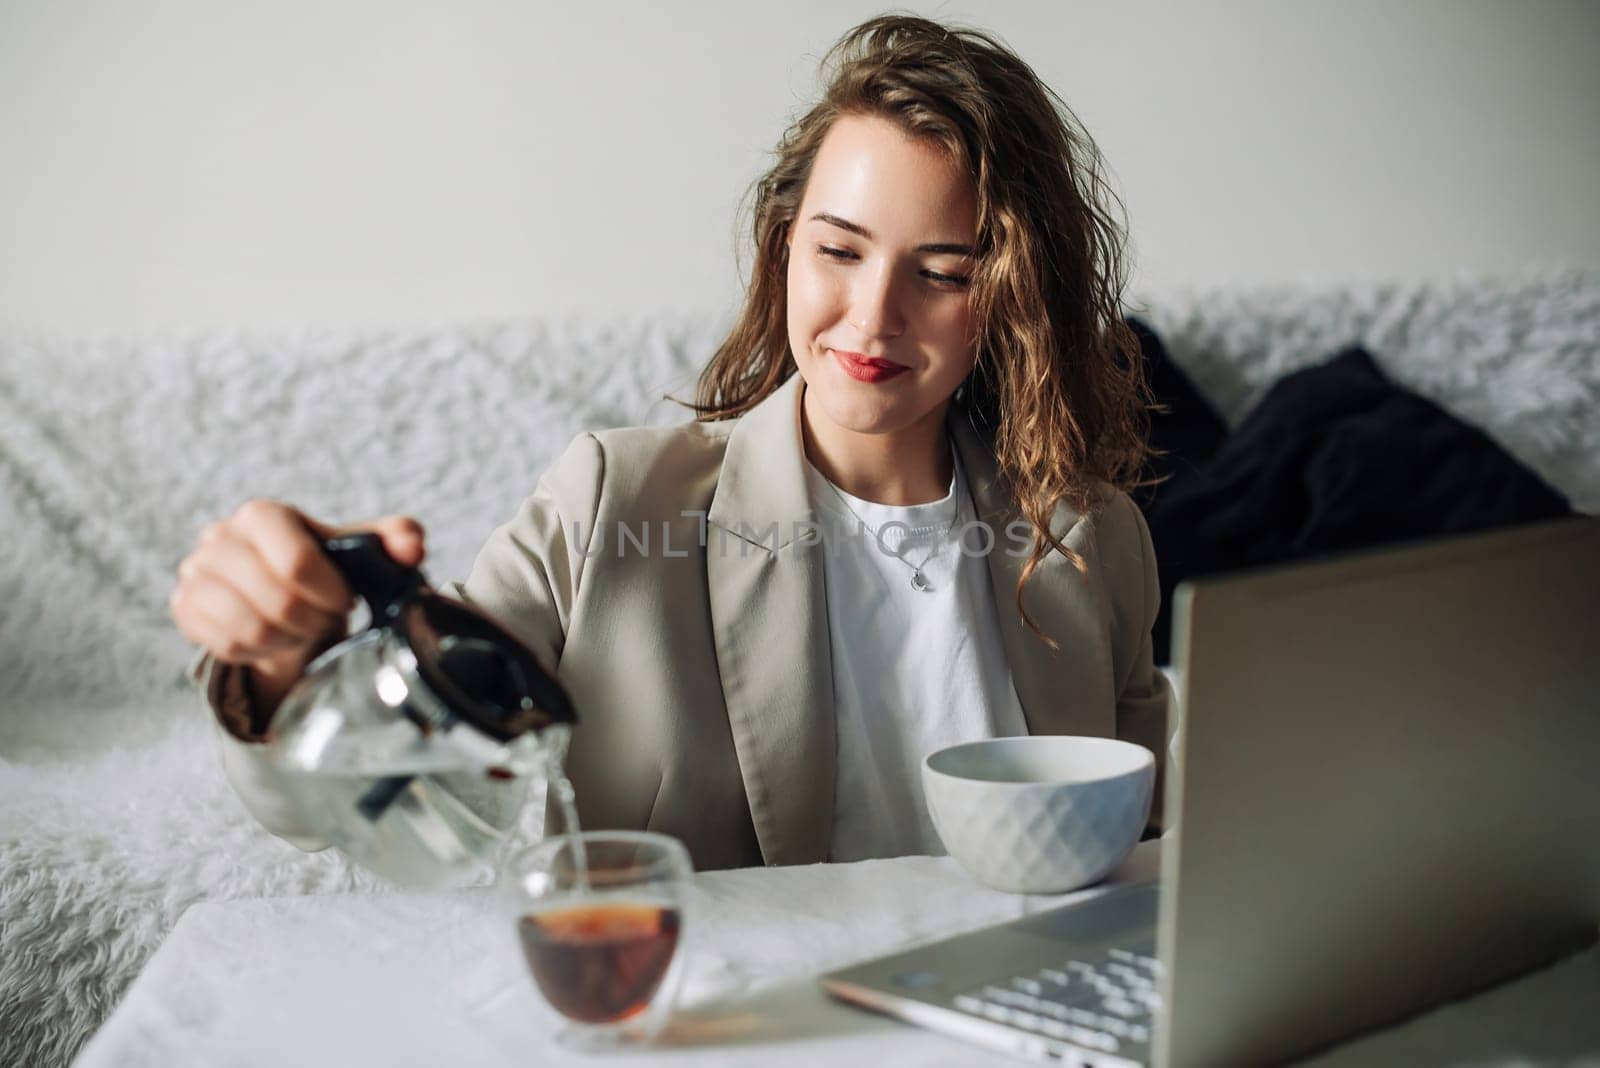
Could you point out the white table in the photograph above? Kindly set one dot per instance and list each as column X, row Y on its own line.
column 437, row 979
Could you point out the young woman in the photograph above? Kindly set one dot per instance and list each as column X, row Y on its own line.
column 898, row 522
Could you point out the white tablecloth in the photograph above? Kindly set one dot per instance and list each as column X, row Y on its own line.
column 438, row 979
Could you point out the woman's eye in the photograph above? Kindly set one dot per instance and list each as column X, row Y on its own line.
column 954, row 281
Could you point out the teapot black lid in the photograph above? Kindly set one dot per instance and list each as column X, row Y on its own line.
column 483, row 673
column 486, row 675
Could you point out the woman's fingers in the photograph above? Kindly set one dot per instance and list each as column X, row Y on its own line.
column 286, row 541
column 227, row 559
column 402, row 536
column 212, row 613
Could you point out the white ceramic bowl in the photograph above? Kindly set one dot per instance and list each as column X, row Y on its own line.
column 1040, row 815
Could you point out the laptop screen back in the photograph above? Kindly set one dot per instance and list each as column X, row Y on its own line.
column 1387, row 791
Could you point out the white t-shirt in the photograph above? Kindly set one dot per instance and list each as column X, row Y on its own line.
column 913, row 670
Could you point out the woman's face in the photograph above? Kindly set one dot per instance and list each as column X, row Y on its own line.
column 878, row 264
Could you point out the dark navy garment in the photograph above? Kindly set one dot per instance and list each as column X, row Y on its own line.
column 1335, row 457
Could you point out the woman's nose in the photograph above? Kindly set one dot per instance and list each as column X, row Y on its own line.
column 874, row 308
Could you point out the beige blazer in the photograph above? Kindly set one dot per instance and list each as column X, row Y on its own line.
column 673, row 577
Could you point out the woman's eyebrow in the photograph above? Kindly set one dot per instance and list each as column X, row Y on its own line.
column 862, row 231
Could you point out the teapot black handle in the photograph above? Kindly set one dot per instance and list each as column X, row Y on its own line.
column 373, row 574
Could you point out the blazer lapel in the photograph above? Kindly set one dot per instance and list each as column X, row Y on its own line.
column 1053, row 597
column 764, row 568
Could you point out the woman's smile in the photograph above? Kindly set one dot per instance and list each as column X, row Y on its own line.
column 864, row 369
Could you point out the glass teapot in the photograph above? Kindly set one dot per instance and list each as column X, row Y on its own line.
column 412, row 744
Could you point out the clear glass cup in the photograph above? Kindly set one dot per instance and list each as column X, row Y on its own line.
column 600, row 919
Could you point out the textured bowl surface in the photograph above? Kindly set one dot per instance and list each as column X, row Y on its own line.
column 1040, row 815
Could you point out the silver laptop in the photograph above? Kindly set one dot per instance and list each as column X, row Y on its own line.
column 1386, row 795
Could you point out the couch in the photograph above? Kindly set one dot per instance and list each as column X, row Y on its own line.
column 114, row 816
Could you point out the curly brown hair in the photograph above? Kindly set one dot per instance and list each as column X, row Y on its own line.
column 1058, row 387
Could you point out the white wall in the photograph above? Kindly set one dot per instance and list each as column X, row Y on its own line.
column 390, row 161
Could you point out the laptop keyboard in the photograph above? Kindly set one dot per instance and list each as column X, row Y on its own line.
column 1100, row 1004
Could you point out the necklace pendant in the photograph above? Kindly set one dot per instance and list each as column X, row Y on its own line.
column 919, row 582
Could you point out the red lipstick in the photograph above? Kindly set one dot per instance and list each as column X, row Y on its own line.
column 866, row 369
